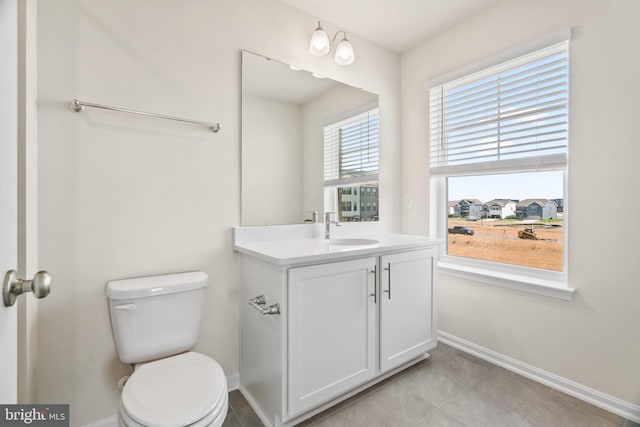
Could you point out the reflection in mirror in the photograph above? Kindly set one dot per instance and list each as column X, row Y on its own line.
column 308, row 144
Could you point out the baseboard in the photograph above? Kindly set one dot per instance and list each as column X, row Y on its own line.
column 597, row 398
column 256, row 408
column 111, row 421
column 233, row 381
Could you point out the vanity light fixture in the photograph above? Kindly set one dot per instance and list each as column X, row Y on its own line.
column 319, row 45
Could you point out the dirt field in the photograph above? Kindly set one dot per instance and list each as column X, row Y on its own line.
column 497, row 240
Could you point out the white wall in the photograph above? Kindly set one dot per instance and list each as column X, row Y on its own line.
column 271, row 161
column 593, row 340
column 123, row 196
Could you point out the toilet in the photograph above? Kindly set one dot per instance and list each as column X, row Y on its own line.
column 155, row 322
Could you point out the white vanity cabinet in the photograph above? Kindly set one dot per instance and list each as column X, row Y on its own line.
column 344, row 321
column 407, row 327
column 331, row 331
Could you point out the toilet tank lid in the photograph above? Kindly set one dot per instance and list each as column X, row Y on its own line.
column 140, row 287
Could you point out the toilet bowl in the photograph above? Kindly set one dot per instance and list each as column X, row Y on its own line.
column 155, row 322
column 189, row 389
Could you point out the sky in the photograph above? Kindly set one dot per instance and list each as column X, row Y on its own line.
column 518, row 186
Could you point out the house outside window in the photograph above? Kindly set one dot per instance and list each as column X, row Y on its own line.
column 499, row 141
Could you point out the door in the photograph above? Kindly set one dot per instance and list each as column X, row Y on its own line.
column 331, row 328
column 407, row 327
column 8, row 191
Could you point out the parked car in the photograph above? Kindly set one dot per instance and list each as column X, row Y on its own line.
column 458, row 229
column 472, row 218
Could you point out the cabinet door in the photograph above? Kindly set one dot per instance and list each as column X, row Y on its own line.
column 331, row 330
column 407, row 329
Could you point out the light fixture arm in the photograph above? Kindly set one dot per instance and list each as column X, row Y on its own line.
column 336, row 35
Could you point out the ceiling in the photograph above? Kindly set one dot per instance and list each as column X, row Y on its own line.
column 393, row 24
column 269, row 78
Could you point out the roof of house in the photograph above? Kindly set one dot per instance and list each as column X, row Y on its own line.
column 470, row 201
column 526, row 202
column 500, row 202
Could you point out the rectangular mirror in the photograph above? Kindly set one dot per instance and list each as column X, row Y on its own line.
column 308, row 144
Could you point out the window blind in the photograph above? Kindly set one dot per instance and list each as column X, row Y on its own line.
column 515, row 113
column 351, row 149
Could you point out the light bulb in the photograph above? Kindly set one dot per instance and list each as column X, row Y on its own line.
column 344, row 53
column 319, row 43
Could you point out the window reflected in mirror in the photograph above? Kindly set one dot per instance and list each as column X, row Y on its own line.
column 351, row 164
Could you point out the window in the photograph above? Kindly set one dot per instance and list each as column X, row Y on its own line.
column 499, row 141
column 351, row 164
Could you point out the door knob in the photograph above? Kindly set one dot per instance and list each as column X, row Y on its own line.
column 40, row 285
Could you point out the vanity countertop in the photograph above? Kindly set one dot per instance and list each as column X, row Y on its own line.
column 289, row 252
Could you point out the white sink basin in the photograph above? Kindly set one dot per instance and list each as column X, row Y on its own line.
column 353, row 242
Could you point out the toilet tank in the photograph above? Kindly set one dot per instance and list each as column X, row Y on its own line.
column 156, row 316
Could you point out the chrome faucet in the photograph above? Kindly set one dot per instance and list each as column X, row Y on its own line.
column 327, row 224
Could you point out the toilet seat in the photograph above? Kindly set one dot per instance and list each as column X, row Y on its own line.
column 189, row 389
column 214, row 419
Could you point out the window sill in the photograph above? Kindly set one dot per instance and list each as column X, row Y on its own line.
column 519, row 282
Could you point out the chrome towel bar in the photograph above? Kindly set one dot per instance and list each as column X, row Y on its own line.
column 259, row 304
column 78, row 106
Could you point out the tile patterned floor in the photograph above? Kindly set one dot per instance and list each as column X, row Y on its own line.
column 451, row 389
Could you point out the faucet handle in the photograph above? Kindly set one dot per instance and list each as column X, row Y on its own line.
column 314, row 217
